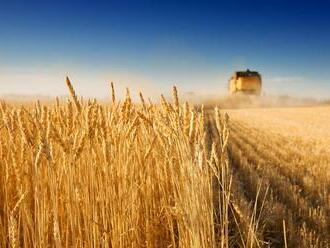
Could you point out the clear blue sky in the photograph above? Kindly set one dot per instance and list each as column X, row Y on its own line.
column 151, row 45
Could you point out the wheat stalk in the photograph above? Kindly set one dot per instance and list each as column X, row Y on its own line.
column 73, row 94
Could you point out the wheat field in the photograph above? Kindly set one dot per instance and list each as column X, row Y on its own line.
column 85, row 174
column 82, row 173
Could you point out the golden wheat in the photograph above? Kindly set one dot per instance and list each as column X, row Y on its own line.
column 112, row 175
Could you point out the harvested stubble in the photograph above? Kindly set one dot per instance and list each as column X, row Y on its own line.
column 288, row 150
column 84, row 174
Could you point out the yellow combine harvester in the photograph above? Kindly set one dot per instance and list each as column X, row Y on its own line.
column 245, row 82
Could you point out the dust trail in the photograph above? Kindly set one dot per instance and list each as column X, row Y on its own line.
column 251, row 101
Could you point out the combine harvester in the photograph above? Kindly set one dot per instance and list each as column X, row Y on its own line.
column 245, row 83
column 244, row 89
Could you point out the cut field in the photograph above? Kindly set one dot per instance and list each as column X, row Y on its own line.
column 284, row 152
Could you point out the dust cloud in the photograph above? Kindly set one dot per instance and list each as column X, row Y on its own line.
column 252, row 101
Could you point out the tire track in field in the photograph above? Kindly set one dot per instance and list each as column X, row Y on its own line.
column 252, row 164
column 288, row 168
column 275, row 158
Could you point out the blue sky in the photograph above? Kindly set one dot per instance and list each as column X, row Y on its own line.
column 151, row 45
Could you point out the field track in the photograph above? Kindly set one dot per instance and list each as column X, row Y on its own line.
column 279, row 164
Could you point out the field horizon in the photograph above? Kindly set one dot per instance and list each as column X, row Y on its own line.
column 224, row 101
